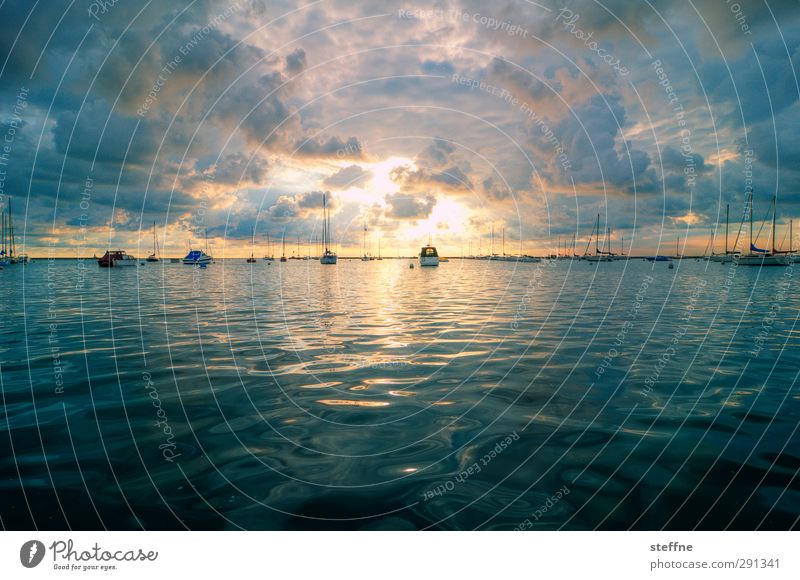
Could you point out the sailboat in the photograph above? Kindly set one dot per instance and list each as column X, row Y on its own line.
column 283, row 247
column 599, row 256
column 198, row 257
column 252, row 258
column 728, row 255
column 492, row 256
column 328, row 256
column 8, row 253
column 758, row 256
column 4, row 246
column 379, row 248
column 154, row 256
column 271, row 257
column 365, row 257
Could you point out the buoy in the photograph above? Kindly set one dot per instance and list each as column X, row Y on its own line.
column 671, row 266
column 411, row 266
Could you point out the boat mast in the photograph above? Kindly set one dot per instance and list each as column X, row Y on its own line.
column 727, row 216
column 504, row 241
column 492, row 246
column 774, row 212
column 324, row 223
column 12, row 245
column 597, row 237
column 751, row 221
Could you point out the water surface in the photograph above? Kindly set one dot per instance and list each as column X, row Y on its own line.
column 559, row 395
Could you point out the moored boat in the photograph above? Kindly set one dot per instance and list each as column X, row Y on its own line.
column 759, row 256
column 116, row 259
column 428, row 256
column 196, row 257
column 328, row 256
column 154, row 256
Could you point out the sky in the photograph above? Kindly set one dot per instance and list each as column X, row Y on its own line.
column 447, row 121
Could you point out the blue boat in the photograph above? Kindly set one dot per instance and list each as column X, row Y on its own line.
column 196, row 257
column 658, row 259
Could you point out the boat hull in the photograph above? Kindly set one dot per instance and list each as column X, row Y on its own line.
column 429, row 261
column 328, row 259
column 765, row 260
column 196, row 258
column 196, row 262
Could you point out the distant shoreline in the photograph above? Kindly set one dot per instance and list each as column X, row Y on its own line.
column 167, row 260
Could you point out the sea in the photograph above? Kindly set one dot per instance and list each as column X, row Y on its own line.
column 479, row 395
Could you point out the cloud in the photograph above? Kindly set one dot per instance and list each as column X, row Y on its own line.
column 409, row 207
column 300, row 206
column 593, row 144
column 350, row 176
column 437, row 67
column 332, row 147
column 296, row 61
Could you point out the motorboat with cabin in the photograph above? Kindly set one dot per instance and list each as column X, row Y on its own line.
column 428, row 256
column 198, row 257
column 116, row 259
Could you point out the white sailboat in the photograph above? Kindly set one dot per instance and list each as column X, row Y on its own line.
column 271, row 256
column 364, row 257
column 727, row 257
column 328, row 256
column 154, row 256
column 599, row 256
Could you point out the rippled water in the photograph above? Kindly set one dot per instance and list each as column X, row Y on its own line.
column 370, row 395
